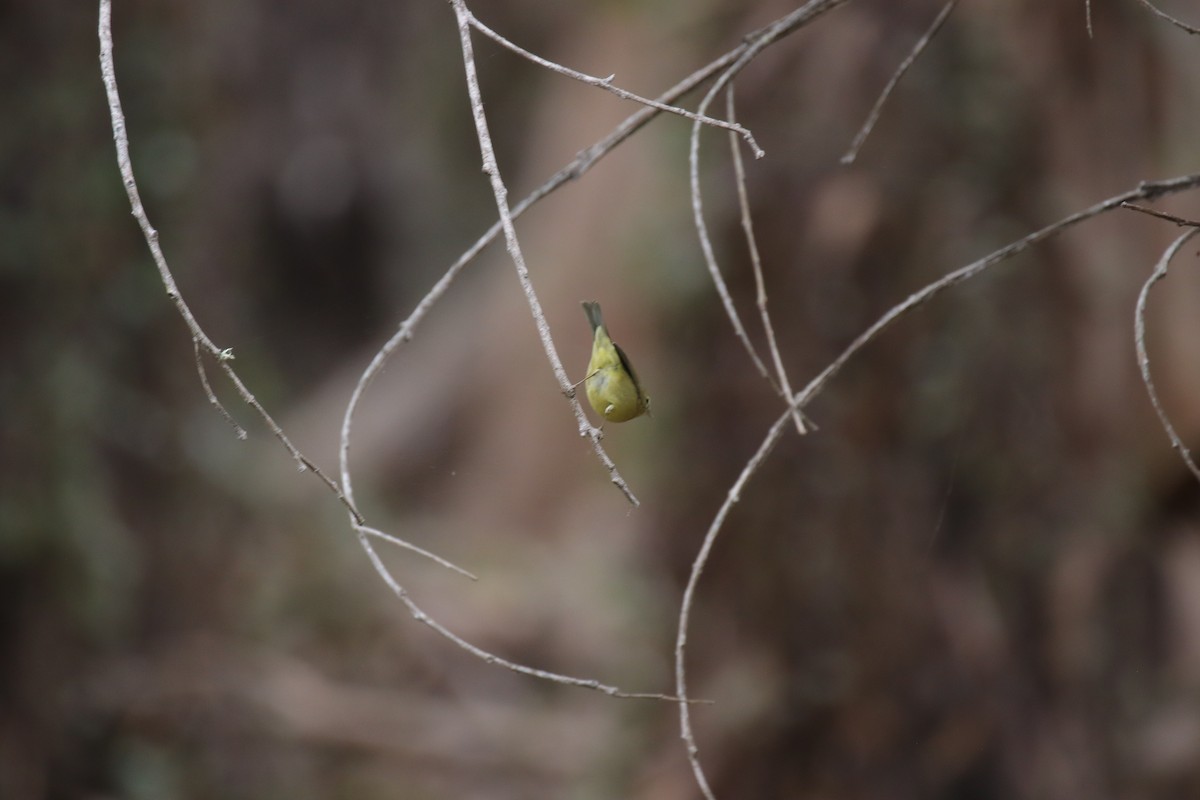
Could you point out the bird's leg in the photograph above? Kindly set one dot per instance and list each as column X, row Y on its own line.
column 570, row 392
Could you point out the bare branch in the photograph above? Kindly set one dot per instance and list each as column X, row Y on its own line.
column 1169, row 217
column 121, row 138
column 1164, row 15
column 199, row 337
column 1087, row 12
column 387, row 537
column 1145, row 191
column 756, row 262
column 1139, row 337
column 801, row 16
column 607, row 83
column 873, row 117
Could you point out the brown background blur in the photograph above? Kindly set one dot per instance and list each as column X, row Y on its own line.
column 979, row 579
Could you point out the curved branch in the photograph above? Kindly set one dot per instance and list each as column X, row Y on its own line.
column 1145, row 191
column 200, row 339
column 1139, row 338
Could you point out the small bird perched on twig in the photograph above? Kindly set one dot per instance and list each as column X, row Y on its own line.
column 612, row 387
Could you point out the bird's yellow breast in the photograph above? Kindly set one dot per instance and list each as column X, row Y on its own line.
column 612, row 392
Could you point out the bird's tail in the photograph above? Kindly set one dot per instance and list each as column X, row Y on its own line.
column 592, row 310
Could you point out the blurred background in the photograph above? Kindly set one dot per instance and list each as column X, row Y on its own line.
column 979, row 579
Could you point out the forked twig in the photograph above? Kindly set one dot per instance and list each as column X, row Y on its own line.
column 200, row 339
column 1139, row 338
column 607, row 83
column 238, row 430
column 873, row 117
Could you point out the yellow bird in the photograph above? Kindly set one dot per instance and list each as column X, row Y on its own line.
column 612, row 386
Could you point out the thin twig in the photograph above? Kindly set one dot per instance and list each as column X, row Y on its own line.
column 873, row 117
column 1087, row 13
column 199, row 337
column 238, row 430
column 1139, row 338
column 1161, row 215
column 607, row 83
column 1164, row 15
column 1145, row 191
column 387, row 537
column 739, row 171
